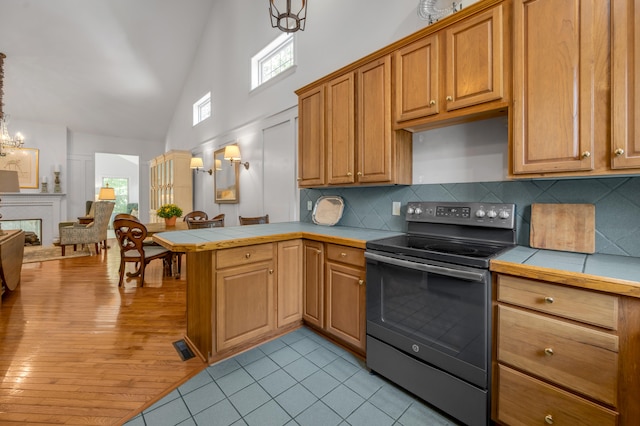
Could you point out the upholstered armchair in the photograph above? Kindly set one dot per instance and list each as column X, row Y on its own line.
column 92, row 233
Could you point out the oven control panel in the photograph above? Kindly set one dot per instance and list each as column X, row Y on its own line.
column 494, row 215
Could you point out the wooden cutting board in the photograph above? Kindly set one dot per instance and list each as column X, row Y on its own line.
column 566, row 227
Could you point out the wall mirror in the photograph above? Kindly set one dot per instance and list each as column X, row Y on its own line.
column 226, row 183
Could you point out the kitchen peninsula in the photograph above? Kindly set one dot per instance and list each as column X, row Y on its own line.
column 248, row 284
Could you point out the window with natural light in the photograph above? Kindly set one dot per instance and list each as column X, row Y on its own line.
column 202, row 109
column 277, row 57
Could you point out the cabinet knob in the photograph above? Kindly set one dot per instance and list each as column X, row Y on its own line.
column 548, row 419
column 586, row 154
column 271, row 271
column 449, row 98
column 299, row 179
column 548, row 351
column 359, row 173
column 548, row 299
column 349, row 174
column 360, row 282
column 248, row 255
column 343, row 254
column 619, row 152
column 432, row 103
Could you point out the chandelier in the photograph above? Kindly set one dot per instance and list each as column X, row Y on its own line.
column 6, row 140
column 286, row 19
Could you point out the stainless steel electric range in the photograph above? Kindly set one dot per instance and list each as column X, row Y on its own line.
column 429, row 303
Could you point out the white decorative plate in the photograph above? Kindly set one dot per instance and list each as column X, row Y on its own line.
column 328, row 210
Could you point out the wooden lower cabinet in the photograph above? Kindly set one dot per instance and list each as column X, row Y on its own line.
column 242, row 296
column 289, row 289
column 313, row 283
column 564, row 355
column 334, row 292
column 244, row 302
column 346, row 295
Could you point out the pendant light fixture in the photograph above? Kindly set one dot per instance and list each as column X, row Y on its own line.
column 288, row 15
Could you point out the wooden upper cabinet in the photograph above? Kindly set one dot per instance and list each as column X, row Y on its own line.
column 340, row 117
column 417, row 79
column 458, row 73
column 311, row 146
column 474, row 60
column 555, row 80
column 625, row 89
column 374, row 121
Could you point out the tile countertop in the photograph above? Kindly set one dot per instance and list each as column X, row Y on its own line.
column 602, row 272
column 237, row 236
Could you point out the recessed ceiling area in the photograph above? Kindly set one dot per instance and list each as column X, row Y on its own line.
column 104, row 67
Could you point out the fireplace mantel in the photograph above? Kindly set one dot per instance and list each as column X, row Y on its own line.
column 34, row 205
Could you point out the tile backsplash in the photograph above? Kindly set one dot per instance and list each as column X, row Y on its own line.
column 617, row 201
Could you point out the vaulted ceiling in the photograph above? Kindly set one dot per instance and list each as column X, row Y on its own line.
column 104, row 67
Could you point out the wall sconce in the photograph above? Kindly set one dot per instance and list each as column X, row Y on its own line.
column 288, row 21
column 232, row 153
column 197, row 165
column 107, row 193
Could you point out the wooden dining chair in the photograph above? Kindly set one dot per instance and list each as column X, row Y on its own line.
column 195, row 215
column 130, row 235
column 254, row 220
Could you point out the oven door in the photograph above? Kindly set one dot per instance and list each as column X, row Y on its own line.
column 436, row 312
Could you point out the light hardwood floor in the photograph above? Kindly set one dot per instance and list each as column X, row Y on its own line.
column 76, row 349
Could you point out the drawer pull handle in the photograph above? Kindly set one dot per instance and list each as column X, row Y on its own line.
column 548, row 351
column 548, row 419
column 343, row 254
column 361, row 282
column 248, row 255
column 548, row 299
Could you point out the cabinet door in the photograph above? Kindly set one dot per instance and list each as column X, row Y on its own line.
column 374, row 122
column 554, row 85
column 625, row 89
column 313, row 288
column 340, row 130
column 244, row 303
column 474, row 58
column 346, row 316
column 416, row 77
column 311, row 138
column 289, row 282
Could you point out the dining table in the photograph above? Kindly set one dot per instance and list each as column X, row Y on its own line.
column 156, row 227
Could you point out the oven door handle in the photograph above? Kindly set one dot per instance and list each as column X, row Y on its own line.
column 424, row 267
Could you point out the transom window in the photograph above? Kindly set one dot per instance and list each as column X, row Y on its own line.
column 277, row 57
column 202, row 109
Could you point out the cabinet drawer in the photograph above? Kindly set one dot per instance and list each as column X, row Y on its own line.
column 573, row 303
column 523, row 400
column 243, row 255
column 578, row 358
column 349, row 255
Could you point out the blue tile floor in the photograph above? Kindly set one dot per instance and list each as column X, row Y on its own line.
column 297, row 379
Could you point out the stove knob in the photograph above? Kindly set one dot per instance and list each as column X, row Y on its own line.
column 418, row 210
column 410, row 210
column 504, row 214
column 480, row 213
column 491, row 214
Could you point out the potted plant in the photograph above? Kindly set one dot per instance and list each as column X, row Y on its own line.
column 169, row 212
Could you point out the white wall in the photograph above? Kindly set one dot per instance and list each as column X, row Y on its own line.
column 82, row 148
column 337, row 33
